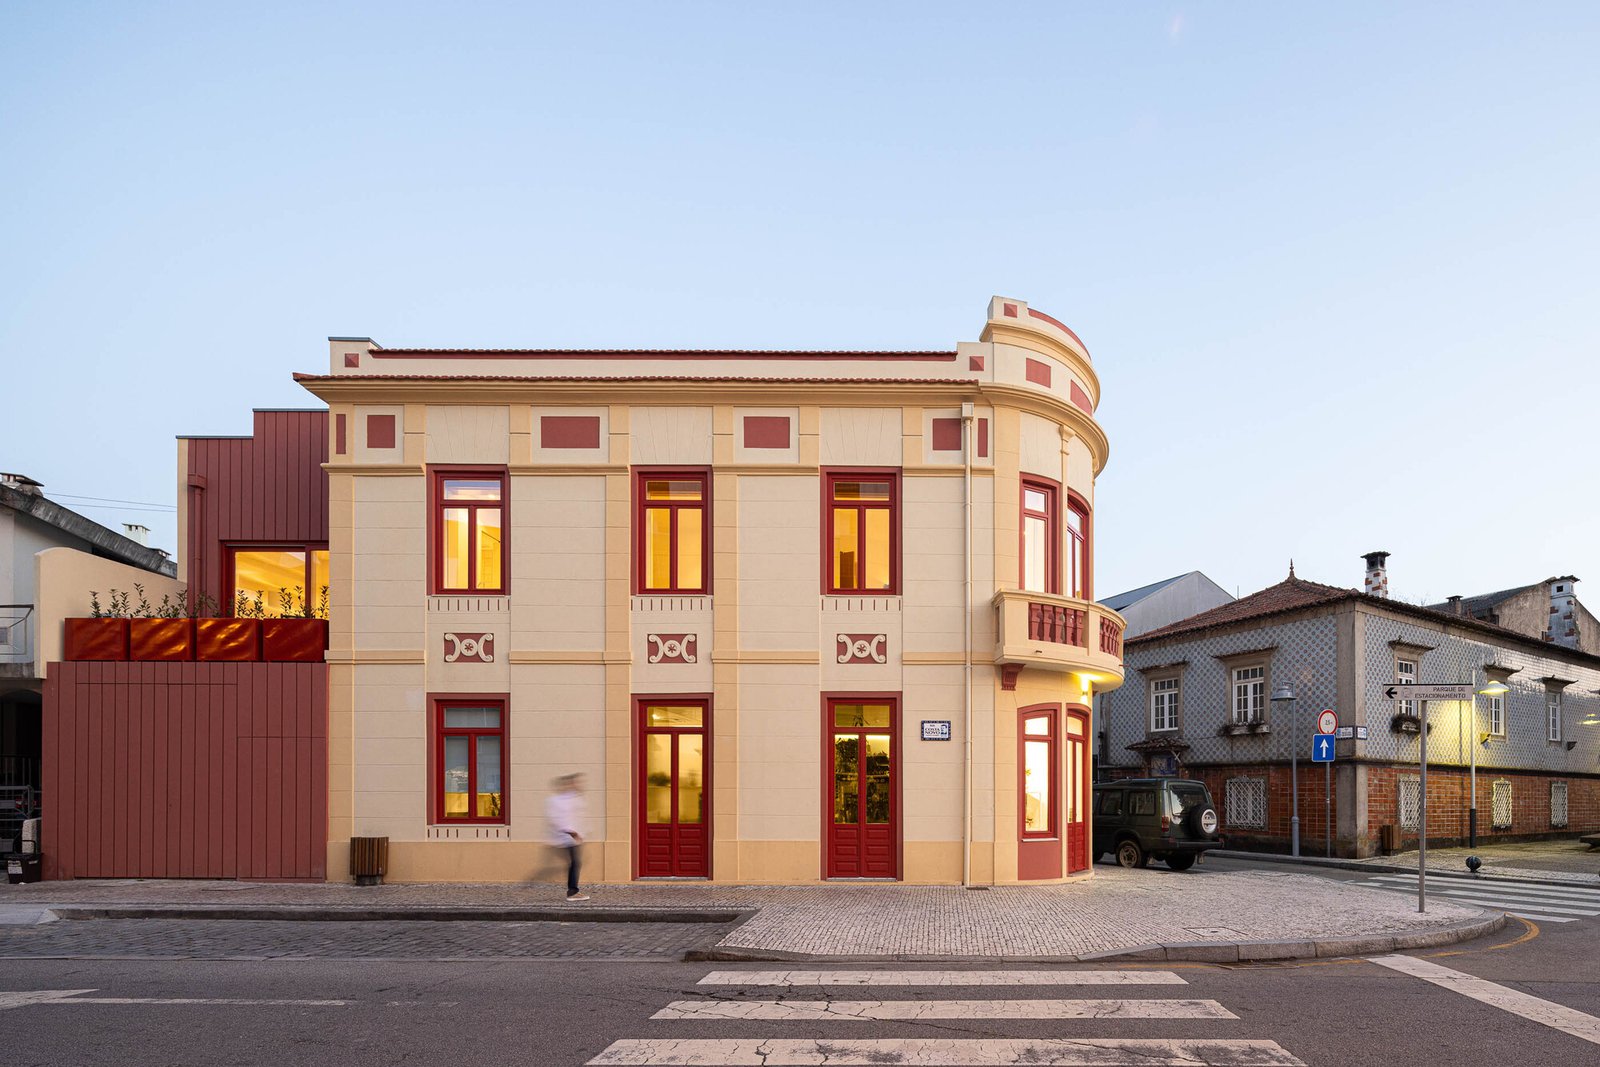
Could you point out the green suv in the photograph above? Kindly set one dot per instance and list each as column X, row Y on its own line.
column 1170, row 819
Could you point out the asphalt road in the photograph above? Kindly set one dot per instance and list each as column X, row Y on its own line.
column 131, row 993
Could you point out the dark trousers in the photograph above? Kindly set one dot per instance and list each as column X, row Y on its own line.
column 572, row 870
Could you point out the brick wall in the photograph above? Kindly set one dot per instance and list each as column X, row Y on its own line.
column 1449, row 798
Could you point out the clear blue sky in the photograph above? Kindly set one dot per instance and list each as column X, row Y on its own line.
column 1330, row 262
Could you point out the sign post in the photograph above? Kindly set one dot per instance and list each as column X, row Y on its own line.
column 1422, row 694
column 1328, row 724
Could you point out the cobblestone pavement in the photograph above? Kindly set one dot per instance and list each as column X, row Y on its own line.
column 1115, row 909
column 1553, row 860
column 224, row 940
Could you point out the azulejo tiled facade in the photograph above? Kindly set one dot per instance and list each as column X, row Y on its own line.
column 793, row 615
column 1536, row 748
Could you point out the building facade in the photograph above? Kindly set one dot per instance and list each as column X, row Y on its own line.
column 794, row 615
column 1199, row 705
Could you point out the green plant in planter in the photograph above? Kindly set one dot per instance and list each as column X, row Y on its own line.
column 119, row 605
column 95, row 610
column 258, row 606
column 285, row 602
column 170, row 608
column 142, row 610
column 322, row 603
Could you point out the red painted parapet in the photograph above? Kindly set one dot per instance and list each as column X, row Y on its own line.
column 1110, row 638
column 1057, row 624
column 287, row 640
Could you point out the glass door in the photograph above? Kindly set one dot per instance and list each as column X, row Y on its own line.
column 1075, row 791
column 673, row 787
column 863, row 810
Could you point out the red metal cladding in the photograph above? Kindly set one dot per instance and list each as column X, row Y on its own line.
column 1038, row 372
column 380, row 431
column 160, row 639
column 947, row 435
column 1081, row 398
column 193, row 770
column 92, row 639
column 293, row 640
column 264, row 489
column 766, row 431
column 569, row 431
column 227, row 640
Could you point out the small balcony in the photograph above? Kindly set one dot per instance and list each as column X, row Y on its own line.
column 1059, row 633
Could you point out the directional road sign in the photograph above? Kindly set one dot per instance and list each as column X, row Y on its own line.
column 1322, row 748
column 1327, row 721
column 1402, row 691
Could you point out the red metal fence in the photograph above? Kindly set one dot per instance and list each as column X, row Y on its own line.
column 186, row 770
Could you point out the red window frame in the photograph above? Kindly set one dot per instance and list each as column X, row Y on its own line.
column 436, row 508
column 1052, row 532
column 896, row 756
column 440, row 703
column 832, row 476
column 1052, row 739
column 230, row 570
column 641, row 505
column 1079, row 570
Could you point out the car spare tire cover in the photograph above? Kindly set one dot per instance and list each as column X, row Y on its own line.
column 1203, row 820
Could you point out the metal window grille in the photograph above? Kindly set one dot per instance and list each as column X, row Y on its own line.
column 1501, row 814
column 1164, row 704
column 1558, row 805
column 1245, row 802
column 1249, row 694
column 1409, row 800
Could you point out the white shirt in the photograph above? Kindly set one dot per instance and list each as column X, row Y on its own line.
column 564, row 812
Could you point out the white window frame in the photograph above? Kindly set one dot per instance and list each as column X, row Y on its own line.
column 1552, row 707
column 1164, row 695
column 1402, row 668
column 1497, row 715
column 1249, row 691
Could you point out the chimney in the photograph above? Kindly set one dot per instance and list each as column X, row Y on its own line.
column 1455, row 605
column 22, row 484
column 1377, row 574
column 137, row 532
column 1563, row 612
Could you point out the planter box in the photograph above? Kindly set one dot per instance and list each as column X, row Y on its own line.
column 161, row 639
column 227, row 640
column 294, row 640
column 97, row 639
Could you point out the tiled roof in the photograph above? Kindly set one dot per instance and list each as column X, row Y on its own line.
column 1288, row 595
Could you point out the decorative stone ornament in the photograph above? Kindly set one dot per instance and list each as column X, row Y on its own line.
column 862, row 648
column 473, row 648
column 671, row 648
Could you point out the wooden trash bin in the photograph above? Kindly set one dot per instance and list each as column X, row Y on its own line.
column 369, row 859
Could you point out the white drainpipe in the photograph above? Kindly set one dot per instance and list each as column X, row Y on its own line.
column 966, row 728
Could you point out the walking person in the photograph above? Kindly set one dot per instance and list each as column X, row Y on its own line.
column 565, row 811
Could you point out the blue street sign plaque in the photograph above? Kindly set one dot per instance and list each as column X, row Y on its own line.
column 1322, row 748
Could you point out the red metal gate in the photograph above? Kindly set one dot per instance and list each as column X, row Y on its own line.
column 186, row 770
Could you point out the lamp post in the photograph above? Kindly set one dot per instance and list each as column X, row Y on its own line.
column 1283, row 702
column 1492, row 690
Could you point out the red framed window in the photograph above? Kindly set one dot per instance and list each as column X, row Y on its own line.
column 1040, row 772
column 672, row 534
column 1041, row 544
column 277, row 580
column 861, row 551
column 1079, row 550
column 470, row 760
column 468, row 530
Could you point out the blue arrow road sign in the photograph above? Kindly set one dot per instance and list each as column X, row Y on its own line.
column 1322, row 748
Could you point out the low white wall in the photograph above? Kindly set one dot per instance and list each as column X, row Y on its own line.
column 63, row 580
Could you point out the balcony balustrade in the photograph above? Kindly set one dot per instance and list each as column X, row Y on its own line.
column 1059, row 633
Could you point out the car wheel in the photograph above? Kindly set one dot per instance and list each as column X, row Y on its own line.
column 1203, row 821
column 1181, row 862
column 1129, row 854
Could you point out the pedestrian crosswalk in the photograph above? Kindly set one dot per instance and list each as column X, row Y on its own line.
column 844, row 1045
column 1540, row 901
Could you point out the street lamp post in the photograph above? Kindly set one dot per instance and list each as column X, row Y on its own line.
column 1283, row 699
column 1492, row 690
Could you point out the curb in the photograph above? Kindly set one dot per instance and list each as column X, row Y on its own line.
column 1557, row 877
column 293, row 913
column 1186, row 951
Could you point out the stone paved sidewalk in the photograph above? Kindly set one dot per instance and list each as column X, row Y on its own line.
column 1115, row 910
column 1560, row 861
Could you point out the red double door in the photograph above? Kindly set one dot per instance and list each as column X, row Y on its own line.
column 673, row 789
column 862, row 805
column 1052, row 791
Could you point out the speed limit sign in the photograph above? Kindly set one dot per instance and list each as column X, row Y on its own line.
column 1327, row 721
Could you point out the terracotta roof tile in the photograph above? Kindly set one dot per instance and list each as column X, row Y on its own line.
column 1287, row 595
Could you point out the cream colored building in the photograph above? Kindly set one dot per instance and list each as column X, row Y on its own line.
column 793, row 615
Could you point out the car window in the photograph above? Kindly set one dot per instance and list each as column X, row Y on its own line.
column 1111, row 802
column 1142, row 802
column 1184, row 797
